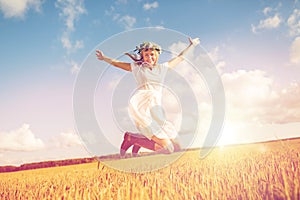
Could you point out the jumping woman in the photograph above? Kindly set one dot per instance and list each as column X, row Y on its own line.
column 157, row 134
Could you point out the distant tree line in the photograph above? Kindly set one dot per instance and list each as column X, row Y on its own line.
column 46, row 164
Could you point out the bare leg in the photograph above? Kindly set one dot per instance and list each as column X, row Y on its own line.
column 165, row 143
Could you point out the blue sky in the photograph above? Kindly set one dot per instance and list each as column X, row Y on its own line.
column 254, row 44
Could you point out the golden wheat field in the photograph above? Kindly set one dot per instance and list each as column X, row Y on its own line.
column 257, row 171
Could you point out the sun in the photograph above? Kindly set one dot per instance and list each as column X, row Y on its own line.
column 228, row 135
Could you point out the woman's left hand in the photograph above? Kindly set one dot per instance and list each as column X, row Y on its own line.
column 194, row 41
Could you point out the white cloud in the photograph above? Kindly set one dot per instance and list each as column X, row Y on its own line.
column 21, row 139
column 127, row 21
column 267, row 10
column 214, row 54
column 247, row 88
column 65, row 40
column 18, row 8
column 187, row 71
column 71, row 46
column 149, row 6
column 272, row 19
column 251, row 96
column 110, row 11
column 71, row 10
column 196, row 87
column 75, row 68
column 268, row 23
column 295, row 51
column 294, row 23
column 67, row 139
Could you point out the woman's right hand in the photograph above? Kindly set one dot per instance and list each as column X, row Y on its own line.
column 99, row 55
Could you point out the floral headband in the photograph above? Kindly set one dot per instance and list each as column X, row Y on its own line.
column 148, row 45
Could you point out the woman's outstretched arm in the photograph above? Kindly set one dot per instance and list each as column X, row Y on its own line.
column 123, row 65
column 176, row 60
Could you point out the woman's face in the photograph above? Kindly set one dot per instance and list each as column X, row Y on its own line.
column 150, row 56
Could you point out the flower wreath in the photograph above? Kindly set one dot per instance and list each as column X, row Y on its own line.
column 137, row 57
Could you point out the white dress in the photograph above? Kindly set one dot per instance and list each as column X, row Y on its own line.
column 145, row 106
